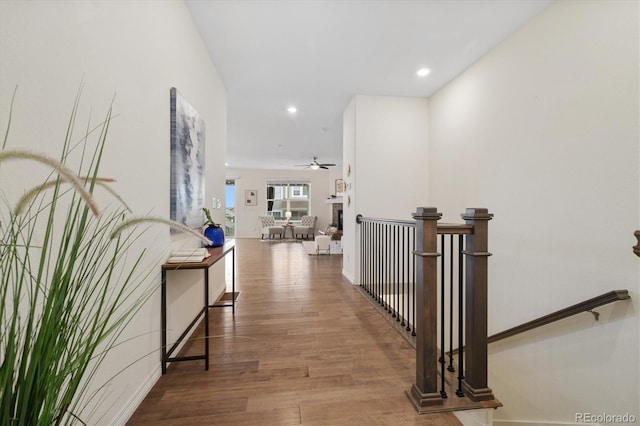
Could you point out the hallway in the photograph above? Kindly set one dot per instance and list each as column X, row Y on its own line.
column 304, row 348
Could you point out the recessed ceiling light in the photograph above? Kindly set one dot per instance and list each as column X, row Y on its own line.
column 423, row 72
column 292, row 109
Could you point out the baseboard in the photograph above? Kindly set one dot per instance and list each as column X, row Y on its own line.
column 138, row 396
column 482, row 417
column 350, row 278
column 136, row 399
column 536, row 423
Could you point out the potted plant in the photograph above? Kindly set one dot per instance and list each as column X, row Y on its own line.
column 212, row 230
column 71, row 279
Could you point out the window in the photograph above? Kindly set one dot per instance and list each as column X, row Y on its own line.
column 296, row 191
column 230, row 208
column 287, row 196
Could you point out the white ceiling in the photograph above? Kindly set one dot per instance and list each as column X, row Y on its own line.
column 318, row 54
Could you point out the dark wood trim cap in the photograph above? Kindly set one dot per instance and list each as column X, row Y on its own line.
column 477, row 213
column 426, row 213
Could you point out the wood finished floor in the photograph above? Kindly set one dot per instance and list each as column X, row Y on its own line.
column 304, row 348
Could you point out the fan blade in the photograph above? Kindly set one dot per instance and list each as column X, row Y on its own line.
column 314, row 164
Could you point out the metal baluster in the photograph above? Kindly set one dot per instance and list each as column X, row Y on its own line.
column 368, row 257
column 387, row 281
column 396, row 244
column 413, row 332
column 390, row 268
column 394, row 271
column 385, row 271
column 401, row 274
column 450, row 367
column 377, row 261
column 382, row 234
column 408, row 279
column 374, row 265
column 362, row 253
column 459, row 391
column 443, row 392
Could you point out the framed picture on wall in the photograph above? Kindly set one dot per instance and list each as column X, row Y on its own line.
column 339, row 187
column 250, row 197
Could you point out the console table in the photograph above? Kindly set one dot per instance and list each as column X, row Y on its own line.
column 216, row 253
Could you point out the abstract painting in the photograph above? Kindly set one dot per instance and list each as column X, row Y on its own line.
column 251, row 197
column 187, row 162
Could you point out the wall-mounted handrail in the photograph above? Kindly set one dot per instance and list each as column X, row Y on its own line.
column 586, row 306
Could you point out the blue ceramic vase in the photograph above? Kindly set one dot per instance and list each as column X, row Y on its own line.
column 215, row 234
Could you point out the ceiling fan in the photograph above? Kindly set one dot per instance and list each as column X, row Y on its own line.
column 314, row 165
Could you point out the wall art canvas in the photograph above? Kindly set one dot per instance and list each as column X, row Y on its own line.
column 187, row 162
column 251, row 197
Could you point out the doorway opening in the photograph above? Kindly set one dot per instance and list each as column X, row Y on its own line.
column 230, row 208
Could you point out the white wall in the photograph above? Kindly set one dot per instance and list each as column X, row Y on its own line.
column 544, row 132
column 350, row 234
column 137, row 50
column 322, row 184
column 385, row 141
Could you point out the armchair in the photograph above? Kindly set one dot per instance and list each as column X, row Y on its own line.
column 270, row 228
column 306, row 228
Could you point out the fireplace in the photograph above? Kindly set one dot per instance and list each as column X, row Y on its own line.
column 336, row 217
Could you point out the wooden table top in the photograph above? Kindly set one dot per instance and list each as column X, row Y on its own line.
column 216, row 253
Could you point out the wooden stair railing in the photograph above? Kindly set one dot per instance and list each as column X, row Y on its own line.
column 424, row 393
column 395, row 283
column 399, row 264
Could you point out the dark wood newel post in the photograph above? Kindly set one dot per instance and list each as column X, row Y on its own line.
column 477, row 253
column 636, row 248
column 424, row 391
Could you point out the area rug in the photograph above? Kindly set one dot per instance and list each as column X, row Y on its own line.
column 310, row 247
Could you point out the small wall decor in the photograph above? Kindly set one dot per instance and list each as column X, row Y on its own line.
column 251, row 197
column 339, row 187
column 187, row 162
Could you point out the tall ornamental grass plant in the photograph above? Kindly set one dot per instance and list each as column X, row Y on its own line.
column 71, row 279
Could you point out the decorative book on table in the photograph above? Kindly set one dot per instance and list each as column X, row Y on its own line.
column 188, row 255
